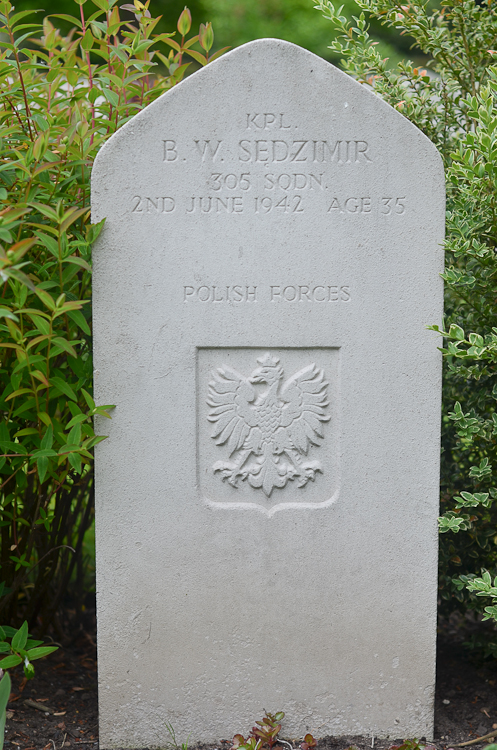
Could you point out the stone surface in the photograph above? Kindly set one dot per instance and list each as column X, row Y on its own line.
column 266, row 501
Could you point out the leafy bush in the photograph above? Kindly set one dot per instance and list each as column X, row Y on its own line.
column 455, row 105
column 62, row 97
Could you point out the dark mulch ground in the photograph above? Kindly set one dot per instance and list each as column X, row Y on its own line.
column 66, row 685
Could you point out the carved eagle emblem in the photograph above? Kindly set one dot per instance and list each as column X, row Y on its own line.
column 267, row 425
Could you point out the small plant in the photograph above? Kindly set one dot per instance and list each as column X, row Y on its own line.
column 5, row 687
column 174, row 744
column 413, row 744
column 309, row 743
column 21, row 650
column 265, row 735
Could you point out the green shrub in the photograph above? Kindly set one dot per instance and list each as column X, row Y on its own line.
column 455, row 105
column 61, row 98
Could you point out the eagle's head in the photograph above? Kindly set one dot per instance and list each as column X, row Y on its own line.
column 269, row 371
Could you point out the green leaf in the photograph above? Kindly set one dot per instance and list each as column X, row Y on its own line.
column 39, row 653
column 197, row 56
column 63, row 387
column 45, row 298
column 80, row 320
column 5, row 690
column 65, row 345
column 42, row 466
column 29, row 670
column 111, row 97
column 75, row 461
column 456, row 332
column 10, row 661
column 78, row 418
column 30, row 643
column 20, row 638
column 47, row 439
column 87, row 41
column 88, row 399
column 77, row 261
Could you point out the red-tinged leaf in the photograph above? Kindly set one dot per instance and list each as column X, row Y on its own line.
column 197, row 56
column 185, row 22
column 72, row 216
column 14, row 273
column 45, row 297
column 41, row 377
column 46, row 211
column 218, row 53
column 172, row 43
column 11, row 214
column 37, row 340
column 13, row 346
column 206, row 36
column 19, row 392
column 65, row 345
column 190, row 42
column 180, row 72
column 45, row 166
column 65, row 17
column 22, row 247
column 77, row 261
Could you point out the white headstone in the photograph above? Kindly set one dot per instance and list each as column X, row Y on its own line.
column 266, row 502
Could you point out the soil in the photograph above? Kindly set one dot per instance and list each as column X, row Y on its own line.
column 65, row 686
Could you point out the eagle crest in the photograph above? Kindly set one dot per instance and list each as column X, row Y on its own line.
column 268, row 430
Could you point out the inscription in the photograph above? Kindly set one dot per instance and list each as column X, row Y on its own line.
column 277, row 151
column 305, row 293
column 387, row 206
column 230, row 204
column 294, row 181
column 239, row 293
column 267, row 425
column 288, row 203
column 266, row 121
column 219, row 293
column 153, row 205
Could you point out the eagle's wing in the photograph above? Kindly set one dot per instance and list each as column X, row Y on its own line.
column 304, row 395
column 230, row 396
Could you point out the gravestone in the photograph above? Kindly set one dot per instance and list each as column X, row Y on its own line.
column 266, row 500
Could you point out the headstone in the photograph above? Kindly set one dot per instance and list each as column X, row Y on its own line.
column 266, row 501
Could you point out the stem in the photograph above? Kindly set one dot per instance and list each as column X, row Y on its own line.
column 90, row 76
column 21, row 79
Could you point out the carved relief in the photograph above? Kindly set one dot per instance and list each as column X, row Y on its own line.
column 268, row 425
